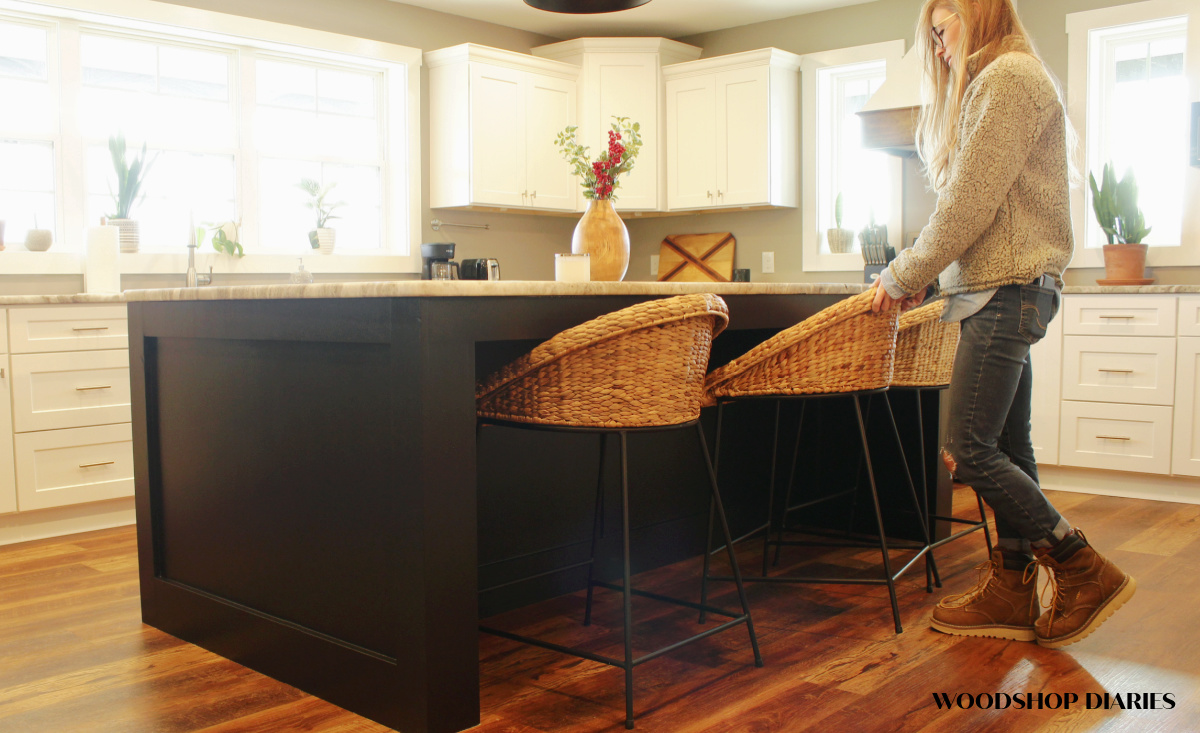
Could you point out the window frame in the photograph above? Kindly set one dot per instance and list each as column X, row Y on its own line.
column 813, row 259
column 401, row 202
column 1079, row 73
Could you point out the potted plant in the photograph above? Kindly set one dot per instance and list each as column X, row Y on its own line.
column 600, row 232
column 840, row 240
column 1115, row 205
column 322, row 238
column 130, row 177
column 224, row 237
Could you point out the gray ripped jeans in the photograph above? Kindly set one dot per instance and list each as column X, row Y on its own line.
column 990, row 394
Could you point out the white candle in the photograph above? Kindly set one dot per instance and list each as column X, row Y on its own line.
column 573, row 268
column 101, row 274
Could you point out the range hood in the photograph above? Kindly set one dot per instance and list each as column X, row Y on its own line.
column 889, row 118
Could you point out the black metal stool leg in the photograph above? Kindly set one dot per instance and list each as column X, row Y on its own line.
column 737, row 573
column 887, row 561
column 597, row 523
column 771, row 494
column 987, row 535
column 912, row 491
column 625, row 582
column 930, row 580
column 787, row 494
column 708, row 550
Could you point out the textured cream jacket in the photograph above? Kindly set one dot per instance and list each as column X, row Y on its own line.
column 1003, row 215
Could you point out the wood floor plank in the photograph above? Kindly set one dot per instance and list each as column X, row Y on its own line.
column 74, row 656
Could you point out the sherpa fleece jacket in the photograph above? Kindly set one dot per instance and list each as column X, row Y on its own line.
column 1003, row 216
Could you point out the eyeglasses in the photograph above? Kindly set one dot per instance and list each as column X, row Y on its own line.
column 939, row 31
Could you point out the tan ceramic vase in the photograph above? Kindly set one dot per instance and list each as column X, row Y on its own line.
column 1125, row 261
column 603, row 235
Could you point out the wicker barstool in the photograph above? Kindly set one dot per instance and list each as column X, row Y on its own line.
column 635, row 370
column 925, row 348
column 843, row 351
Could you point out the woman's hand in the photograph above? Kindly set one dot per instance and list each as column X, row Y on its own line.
column 885, row 302
column 882, row 301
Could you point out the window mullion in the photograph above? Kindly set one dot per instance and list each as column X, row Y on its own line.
column 248, row 199
column 68, row 144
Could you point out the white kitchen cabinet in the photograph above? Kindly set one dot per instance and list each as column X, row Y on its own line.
column 1185, row 452
column 493, row 119
column 732, row 128
column 66, row 392
column 8, row 486
column 1046, row 359
column 1118, row 382
column 622, row 77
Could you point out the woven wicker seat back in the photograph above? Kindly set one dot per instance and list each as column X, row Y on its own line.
column 843, row 348
column 641, row 366
column 925, row 348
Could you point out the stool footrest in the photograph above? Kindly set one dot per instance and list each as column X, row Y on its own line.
column 833, row 580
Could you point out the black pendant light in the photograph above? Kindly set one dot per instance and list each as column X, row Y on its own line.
column 584, row 7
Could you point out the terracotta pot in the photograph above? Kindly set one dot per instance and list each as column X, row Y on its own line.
column 602, row 234
column 1124, row 261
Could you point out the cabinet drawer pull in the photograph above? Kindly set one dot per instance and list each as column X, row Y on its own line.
column 98, row 386
column 93, row 465
column 1112, row 437
column 1116, row 371
column 91, row 328
column 1117, row 316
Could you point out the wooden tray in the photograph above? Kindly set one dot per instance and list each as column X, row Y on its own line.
column 697, row 257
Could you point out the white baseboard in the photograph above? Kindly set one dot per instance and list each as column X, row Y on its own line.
column 1181, row 489
column 42, row 523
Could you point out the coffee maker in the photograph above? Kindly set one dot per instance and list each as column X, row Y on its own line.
column 438, row 256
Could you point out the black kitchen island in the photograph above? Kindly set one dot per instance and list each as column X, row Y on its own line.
column 309, row 500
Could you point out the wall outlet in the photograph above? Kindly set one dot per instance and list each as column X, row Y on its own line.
column 654, row 265
column 768, row 263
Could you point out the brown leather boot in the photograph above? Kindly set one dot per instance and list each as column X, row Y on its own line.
column 1086, row 590
column 1003, row 605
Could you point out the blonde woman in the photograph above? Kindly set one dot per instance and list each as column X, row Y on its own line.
column 995, row 142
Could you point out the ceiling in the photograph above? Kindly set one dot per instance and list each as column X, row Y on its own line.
column 666, row 18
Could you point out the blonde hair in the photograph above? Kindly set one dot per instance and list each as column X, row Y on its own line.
column 983, row 26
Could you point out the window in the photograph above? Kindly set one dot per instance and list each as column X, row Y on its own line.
column 232, row 113
column 1129, row 102
column 836, row 86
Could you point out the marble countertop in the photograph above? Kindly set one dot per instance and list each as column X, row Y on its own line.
column 480, row 288
column 470, row 288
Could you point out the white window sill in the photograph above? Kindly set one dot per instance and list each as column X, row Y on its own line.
column 144, row 263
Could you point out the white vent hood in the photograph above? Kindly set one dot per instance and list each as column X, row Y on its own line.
column 889, row 118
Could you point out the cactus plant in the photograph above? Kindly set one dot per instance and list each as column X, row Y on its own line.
column 837, row 211
column 1115, row 205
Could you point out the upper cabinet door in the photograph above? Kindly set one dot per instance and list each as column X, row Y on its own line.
column 498, row 135
column 691, row 139
column 550, row 109
column 743, row 137
column 625, row 85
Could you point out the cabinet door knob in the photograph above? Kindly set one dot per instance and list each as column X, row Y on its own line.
column 710, row 194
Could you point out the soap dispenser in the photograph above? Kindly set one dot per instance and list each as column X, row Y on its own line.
column 301, row 276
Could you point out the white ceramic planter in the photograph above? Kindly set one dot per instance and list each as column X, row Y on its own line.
column 129, row 234
column 324, row 238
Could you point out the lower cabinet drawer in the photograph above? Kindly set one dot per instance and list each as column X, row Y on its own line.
column 1116, row 437
column 73, row 466
column 71, row 389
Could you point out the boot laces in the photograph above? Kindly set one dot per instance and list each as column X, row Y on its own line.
column 987, row 570
column 1054, row 593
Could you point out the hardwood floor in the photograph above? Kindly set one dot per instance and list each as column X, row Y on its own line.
column 74, row 655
